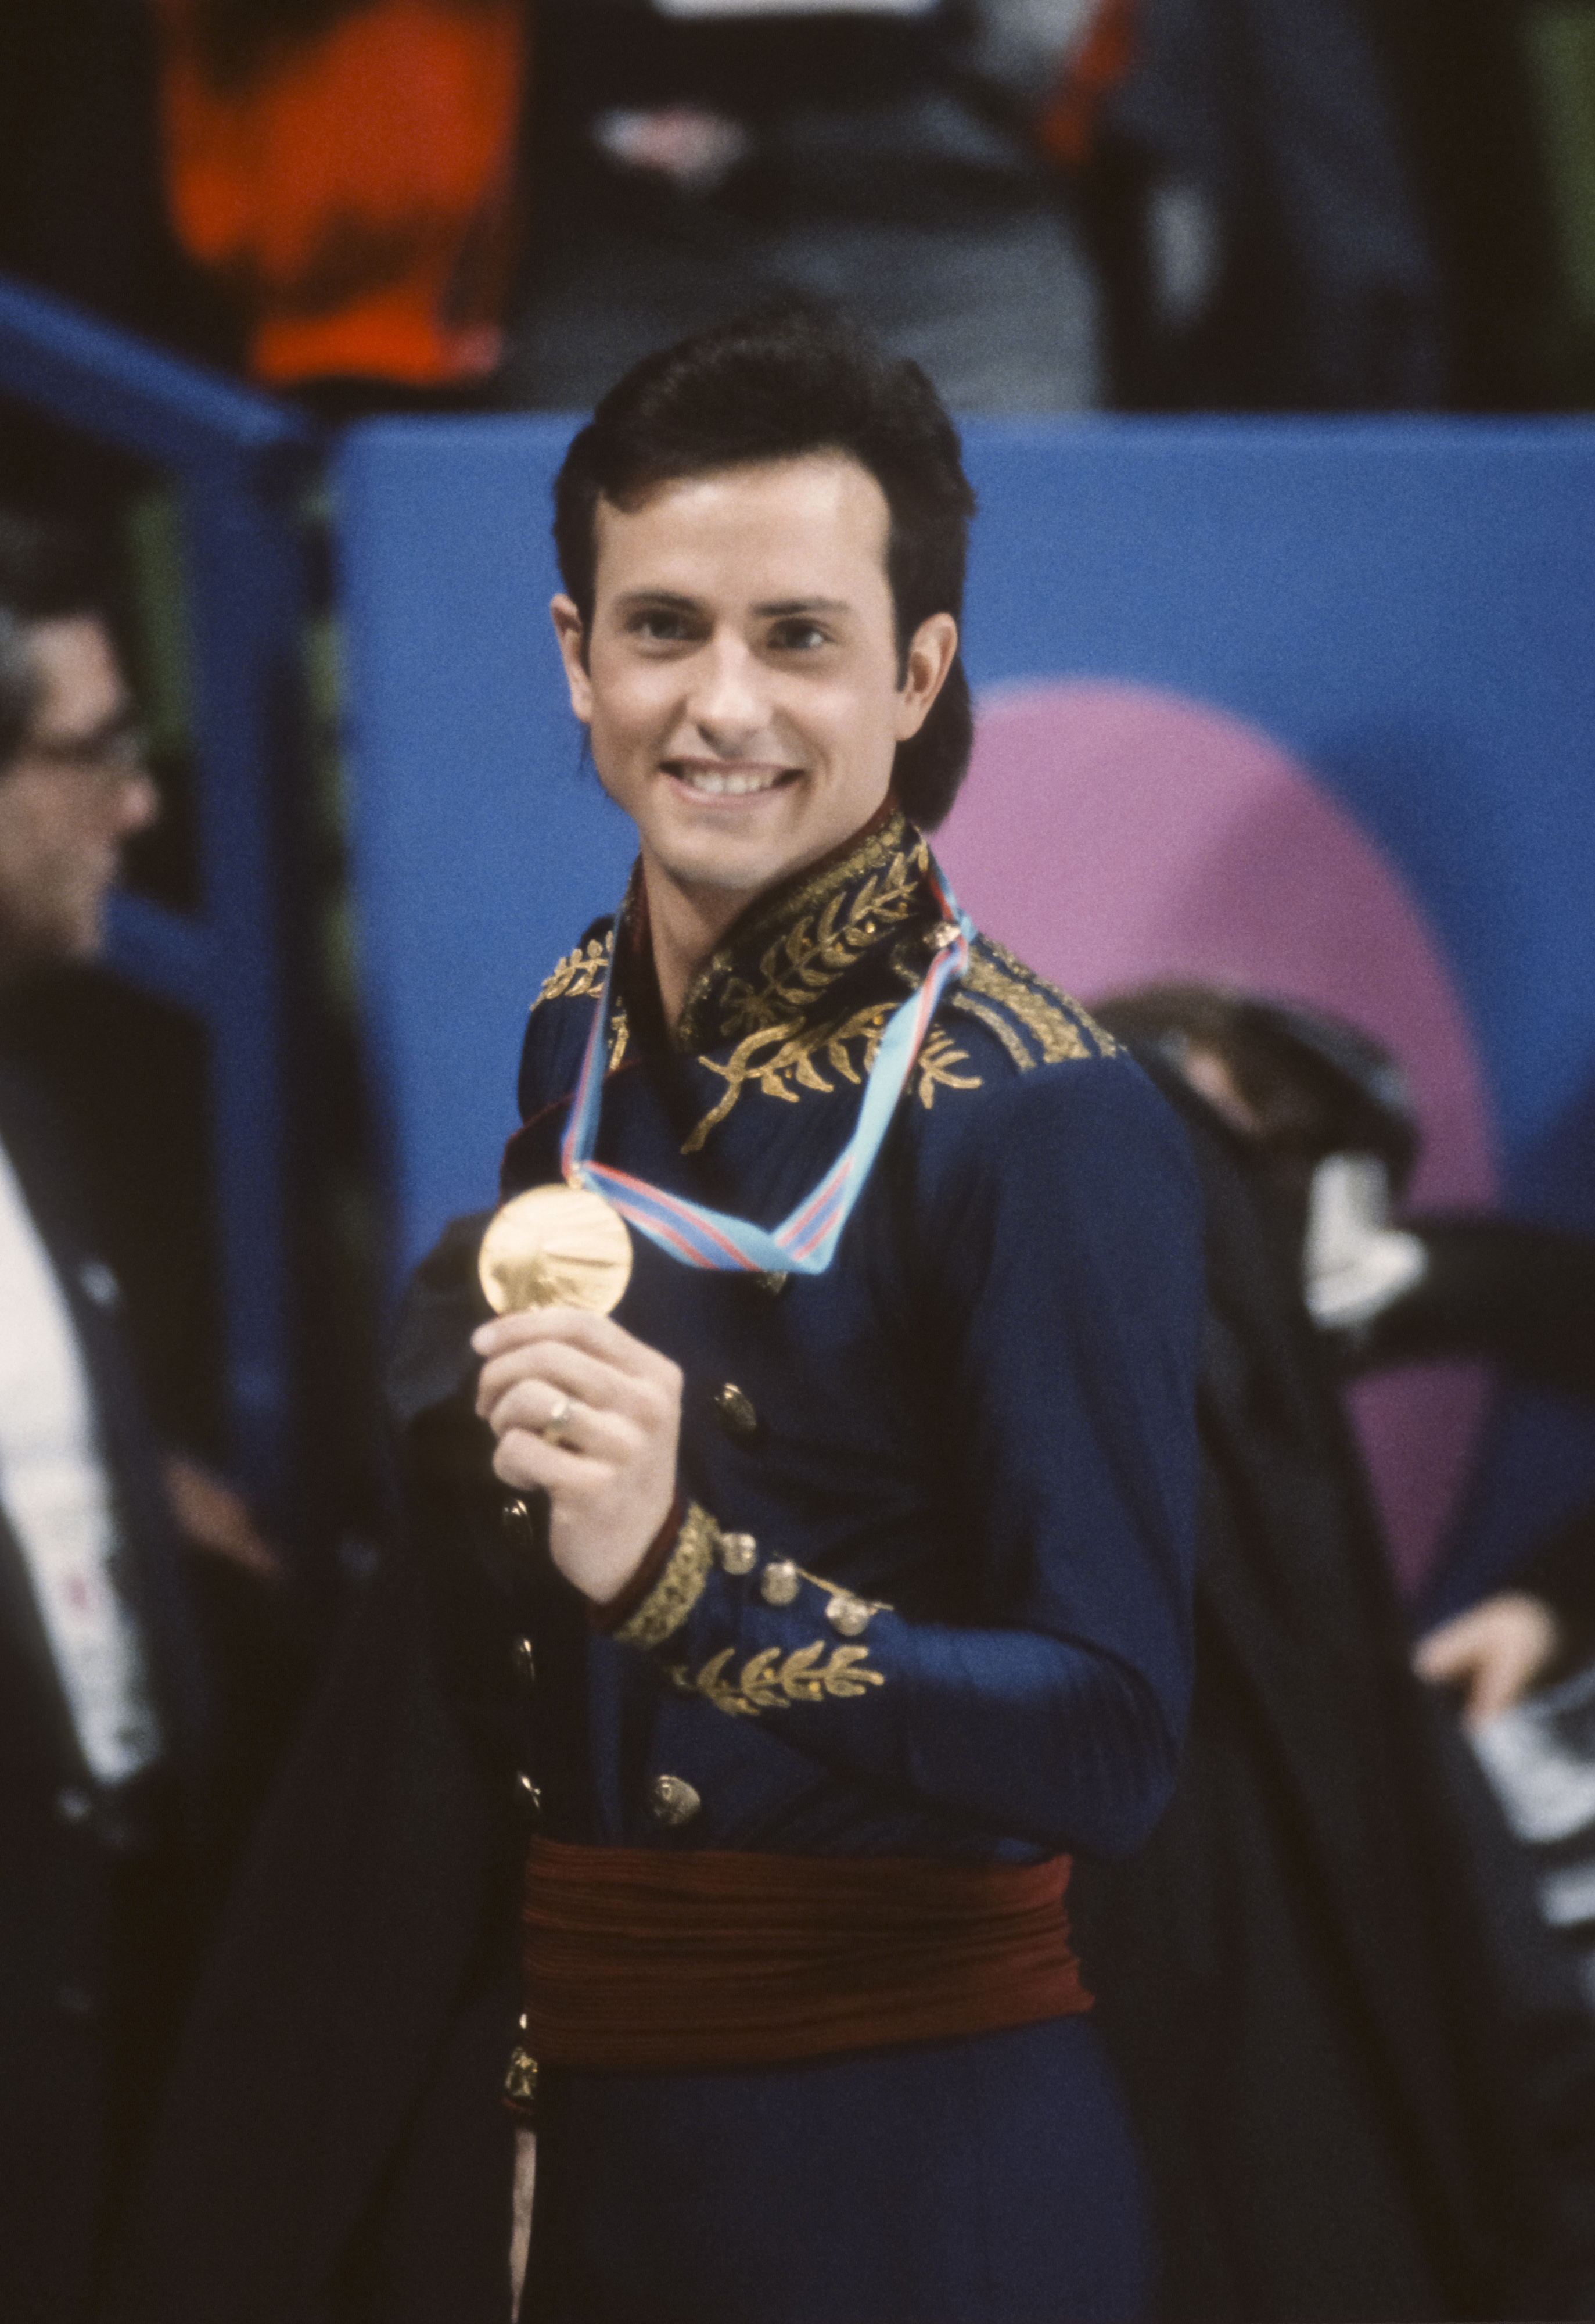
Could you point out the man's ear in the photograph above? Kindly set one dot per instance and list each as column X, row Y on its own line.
column 573, row 652
column 929, row 657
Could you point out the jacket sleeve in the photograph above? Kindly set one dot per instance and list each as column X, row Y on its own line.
column 1054, row 1233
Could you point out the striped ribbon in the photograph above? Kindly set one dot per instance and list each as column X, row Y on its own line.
column 805, row 1240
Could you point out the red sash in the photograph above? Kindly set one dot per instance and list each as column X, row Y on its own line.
column 640, row 1960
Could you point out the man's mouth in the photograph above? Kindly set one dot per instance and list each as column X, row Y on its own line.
column 728, row 782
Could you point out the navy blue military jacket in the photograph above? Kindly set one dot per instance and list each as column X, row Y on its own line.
column 931, row 1596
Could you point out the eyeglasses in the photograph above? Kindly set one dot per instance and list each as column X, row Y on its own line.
column 116, row 757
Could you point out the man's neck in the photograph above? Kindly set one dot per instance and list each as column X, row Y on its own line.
column 684, row 927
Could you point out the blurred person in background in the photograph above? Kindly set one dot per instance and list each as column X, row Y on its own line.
column 692, row 161
column 346, row 171
column 111, row 1839
column 1358, row 2062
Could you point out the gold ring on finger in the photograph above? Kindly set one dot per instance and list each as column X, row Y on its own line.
column 560, row 1413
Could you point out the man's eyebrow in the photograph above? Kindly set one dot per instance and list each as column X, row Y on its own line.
column 672, row 597
column 783, row 607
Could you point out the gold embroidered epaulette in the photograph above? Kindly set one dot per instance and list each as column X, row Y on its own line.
column 1036, row 1023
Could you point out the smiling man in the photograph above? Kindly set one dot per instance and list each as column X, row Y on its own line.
column 877, row 1487
column 818, row 1601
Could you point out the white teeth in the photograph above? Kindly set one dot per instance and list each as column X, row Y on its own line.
column 727, row 786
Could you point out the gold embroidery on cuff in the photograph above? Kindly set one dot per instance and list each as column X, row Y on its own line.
column 680, row 1587
column 766, row 1683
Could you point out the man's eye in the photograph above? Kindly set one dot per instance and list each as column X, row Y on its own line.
column 800, row 637
column 660, row 626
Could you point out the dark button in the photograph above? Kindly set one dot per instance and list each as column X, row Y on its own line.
column 672, row 1801
column 734, row 1412
column 525, row 1661
column 519, row 1523
column 76, row 2002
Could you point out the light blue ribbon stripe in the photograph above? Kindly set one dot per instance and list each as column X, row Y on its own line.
column 805, row 1240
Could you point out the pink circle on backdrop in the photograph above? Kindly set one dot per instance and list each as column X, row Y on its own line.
column 1111, row 833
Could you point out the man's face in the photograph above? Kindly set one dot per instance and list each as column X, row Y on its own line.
column 73, row 792
column 740, row 681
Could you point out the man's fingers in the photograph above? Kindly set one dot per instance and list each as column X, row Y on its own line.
column 524, row 1457
column 1496, row 1652
column 596, row 1336
column 533, row 1406
column 567, row 1371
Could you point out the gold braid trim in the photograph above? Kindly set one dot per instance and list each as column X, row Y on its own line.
column 680, row 1587
column 995, row 1023
column 767, row 1683
column 1058, row 1026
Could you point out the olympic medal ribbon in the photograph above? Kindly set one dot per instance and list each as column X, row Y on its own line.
column 805, row 1240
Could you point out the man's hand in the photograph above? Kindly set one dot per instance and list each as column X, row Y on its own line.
column 1495, row 1652
column 615, row 1406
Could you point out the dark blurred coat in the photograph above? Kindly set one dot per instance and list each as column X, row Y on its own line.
column 100, row 1897
column 1293, row 269
column 1357, row 2063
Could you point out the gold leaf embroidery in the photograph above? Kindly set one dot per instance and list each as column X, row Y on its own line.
column 816, row 928
column 619, row 1034
column 766, row 1683
column 778, row 1055
column 580, row 973
column 801, row 965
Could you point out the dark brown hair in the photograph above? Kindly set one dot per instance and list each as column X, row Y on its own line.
column 792, row 380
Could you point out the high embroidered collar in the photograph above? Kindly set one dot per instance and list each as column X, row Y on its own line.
column 782, row 960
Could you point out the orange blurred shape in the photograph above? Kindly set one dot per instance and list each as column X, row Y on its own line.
column 355, row 188
column 1102, row 58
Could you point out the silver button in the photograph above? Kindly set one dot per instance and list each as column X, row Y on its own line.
column 739, row 1553
column 944, row 934
column 772, row 1282
column 531, row 1792
column 847, row 1614
column 672, row 1801
column 524, row 1657
column 734, row 1411
column 780, row 1582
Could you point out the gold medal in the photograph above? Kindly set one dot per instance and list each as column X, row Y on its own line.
column 555, row 1246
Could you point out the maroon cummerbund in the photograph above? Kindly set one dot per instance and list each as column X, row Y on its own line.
column 638, row 1961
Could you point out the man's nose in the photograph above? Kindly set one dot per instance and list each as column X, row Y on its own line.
column 729, row 701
